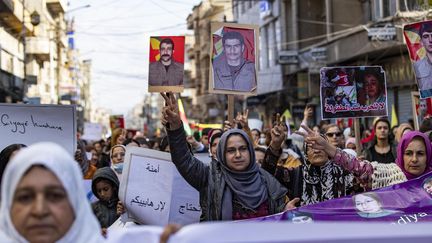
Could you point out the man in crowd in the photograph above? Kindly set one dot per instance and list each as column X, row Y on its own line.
column 231, row 71
column 382, row 148
column 166, row 71
column 423, row 67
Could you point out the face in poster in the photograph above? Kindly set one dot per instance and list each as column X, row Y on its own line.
column 166, row 63
column 117, row 121
column 418, row 37
column 422, row 109
column 233, row 62
column 353, row 92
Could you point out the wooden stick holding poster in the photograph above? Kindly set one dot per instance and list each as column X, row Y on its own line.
column 154, row 192
column 231, row 104
column 349, row 92
column 166, row 64
column 357, row 135
column 233, row 61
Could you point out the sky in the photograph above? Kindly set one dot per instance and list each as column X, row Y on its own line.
column 115, row 34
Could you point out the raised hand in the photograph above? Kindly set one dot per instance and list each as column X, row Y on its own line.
column 170, row 112
column 316, row 141
column 277, row 134
column 242, row 119
column 307, row 113
column 228, row 125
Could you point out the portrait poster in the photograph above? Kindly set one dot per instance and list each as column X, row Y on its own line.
column 233, row 59
column 154, row 192
column 116, row 121
column 166, row 64
column 418, row 38
column 353, row 91
column 422, row 108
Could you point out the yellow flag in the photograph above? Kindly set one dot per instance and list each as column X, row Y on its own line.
column 394, row 119
column 287, row 114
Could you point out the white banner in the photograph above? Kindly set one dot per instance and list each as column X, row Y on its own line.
column 28, row 124
column 153, row 191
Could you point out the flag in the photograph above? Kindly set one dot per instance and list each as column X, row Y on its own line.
column 394, row 119
column 184, row 119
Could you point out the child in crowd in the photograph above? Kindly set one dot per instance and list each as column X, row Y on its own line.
column 105, row 186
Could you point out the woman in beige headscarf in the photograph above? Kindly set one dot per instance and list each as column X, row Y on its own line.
column 401, row 130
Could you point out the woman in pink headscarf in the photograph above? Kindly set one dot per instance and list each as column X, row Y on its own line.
column 414, row 159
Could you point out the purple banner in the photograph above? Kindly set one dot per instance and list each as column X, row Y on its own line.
column 406, row 203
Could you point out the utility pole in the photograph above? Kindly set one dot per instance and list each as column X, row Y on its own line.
column 23, row 36
column 59, row 59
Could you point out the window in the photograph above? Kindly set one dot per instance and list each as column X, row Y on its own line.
column 413, row 5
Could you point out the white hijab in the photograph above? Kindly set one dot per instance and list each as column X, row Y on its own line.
column 85, row 228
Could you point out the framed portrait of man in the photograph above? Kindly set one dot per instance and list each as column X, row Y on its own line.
column 166, row 66
column 418, row 38
column 233, row 59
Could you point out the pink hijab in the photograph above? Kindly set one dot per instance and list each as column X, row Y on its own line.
column 403, row 144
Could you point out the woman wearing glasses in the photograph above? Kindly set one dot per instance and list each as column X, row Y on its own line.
column 414, row 159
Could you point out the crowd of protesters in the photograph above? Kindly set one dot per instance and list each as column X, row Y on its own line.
column 252, row 173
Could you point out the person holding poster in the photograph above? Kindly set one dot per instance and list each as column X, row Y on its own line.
column 233, row 187
column 414, row 159
column 231, row 70
column 166, row 71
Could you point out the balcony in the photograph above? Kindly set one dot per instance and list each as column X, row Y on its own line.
column 38, row 46
column 6, row 6
column 55, row 7
column 11, row 17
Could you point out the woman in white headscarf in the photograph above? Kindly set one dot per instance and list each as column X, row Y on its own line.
column 43, row 198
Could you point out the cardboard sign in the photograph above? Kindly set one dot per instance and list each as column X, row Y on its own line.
column 353, row 92
column 153, row 191
column 234, row 64
column 417, row 38
column 166, row 66
column 92, row 131
column 29, row 124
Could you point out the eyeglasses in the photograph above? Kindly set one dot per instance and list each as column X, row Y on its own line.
column 332, row 134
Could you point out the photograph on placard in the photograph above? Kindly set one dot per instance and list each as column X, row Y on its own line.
column 418, row 38
column 422, row 108
column 117, row 121
column 353, row 92
column 166, row 68
column 234, row 54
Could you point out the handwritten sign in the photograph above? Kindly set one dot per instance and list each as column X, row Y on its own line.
column 153, row 191
column 28, row 124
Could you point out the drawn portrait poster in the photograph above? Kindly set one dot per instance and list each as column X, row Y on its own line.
column 348, row 92
column 166, row 66
column 418, row 38
column 233, row 60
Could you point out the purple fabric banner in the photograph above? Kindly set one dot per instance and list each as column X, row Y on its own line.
column 406, row 203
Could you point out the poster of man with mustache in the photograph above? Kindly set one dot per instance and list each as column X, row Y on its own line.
column 166, row 63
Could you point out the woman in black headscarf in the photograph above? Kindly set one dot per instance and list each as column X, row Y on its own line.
column 232, row 188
